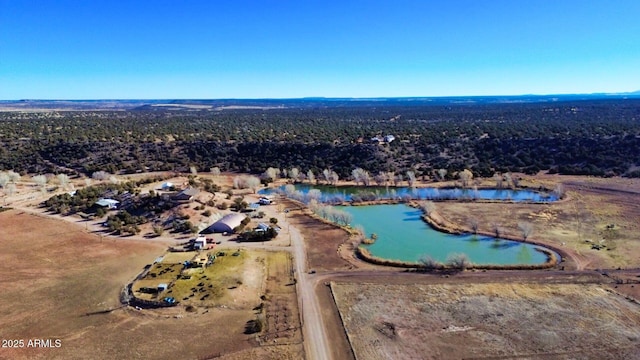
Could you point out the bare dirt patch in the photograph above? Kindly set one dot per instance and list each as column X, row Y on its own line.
column 322, row 242
column 492, row 320
column 282, row 318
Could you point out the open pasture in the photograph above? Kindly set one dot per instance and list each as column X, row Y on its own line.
column 492, row 320
column 59, row 282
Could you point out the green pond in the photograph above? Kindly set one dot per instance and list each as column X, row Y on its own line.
column 403, row 235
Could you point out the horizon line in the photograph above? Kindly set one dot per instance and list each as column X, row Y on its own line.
column 623, row 93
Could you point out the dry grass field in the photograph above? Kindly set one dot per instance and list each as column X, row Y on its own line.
column 322, row 241
column 585, row 218
column 232, row 281
column 488, row 321
column 59, row 282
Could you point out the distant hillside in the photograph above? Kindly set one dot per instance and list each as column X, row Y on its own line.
column 266, row 104
column 594, row 136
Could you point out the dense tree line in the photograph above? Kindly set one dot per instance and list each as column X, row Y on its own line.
column 596, row 137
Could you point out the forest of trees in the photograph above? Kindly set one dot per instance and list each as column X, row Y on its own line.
column 591, row 137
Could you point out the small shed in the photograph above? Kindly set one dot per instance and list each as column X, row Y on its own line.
column 200, row 243
column 167, row 186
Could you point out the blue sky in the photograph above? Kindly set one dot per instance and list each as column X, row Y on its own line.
column 280, row 49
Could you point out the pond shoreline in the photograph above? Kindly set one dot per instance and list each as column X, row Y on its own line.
column 438, row 223
column 378, row 193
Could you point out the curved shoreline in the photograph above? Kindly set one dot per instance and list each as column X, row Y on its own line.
column 438, row 223
column 364, row 254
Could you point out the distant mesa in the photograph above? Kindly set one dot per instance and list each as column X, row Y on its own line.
column 266, row 104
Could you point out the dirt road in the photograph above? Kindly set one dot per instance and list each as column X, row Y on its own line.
column 313, row 330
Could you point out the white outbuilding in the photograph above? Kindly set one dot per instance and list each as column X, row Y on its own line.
column 108, row 203
column 226, row 223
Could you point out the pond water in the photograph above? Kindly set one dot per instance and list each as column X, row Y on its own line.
column 403, row 235
column 340, row 193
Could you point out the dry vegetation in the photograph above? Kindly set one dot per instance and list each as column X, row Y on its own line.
column 322, row 242
column 574, row 224
column 280, row 307
column 417, row 321
column 209, row 286
column 58, row 282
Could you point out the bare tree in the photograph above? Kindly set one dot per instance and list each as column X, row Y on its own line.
column 393, row 194
column 334, row 178
column 473, row 223
column 327, row 175
column 193, row 170
column 14, row 177
column 246, row 182
column 516, row 181
column 40, row 180
column 497, row 229
column 4, row 179
column 397, row 180
column 311, row 177
column 289, row 190
column 10, row 189
column 381, row 178
column 238, row 182
column 63, row 180
column 508, row 179
column 526, row 228
column 390, row 177
column 428, row 263
column 361, row 176
column 411, row 178
column 499, row 179
column 345, row 218
column 366, row 178
column 215, row 171
column 87, row 182
column 442, row 174
column 313, row 205
column 253, row 183
column 475, row 194
column 465, row 177
column 559, row 191
column 100, row 175
column 271, row 174
column 294, row 174
column 458, row 261
column 314, row 194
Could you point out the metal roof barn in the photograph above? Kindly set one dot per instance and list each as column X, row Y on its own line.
column 226, row 224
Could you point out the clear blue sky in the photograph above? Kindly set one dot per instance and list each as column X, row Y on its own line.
column 94, row 49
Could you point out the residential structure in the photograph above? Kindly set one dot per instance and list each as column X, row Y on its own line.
column 108, row 203
column 187, row 194
column 381, row 139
